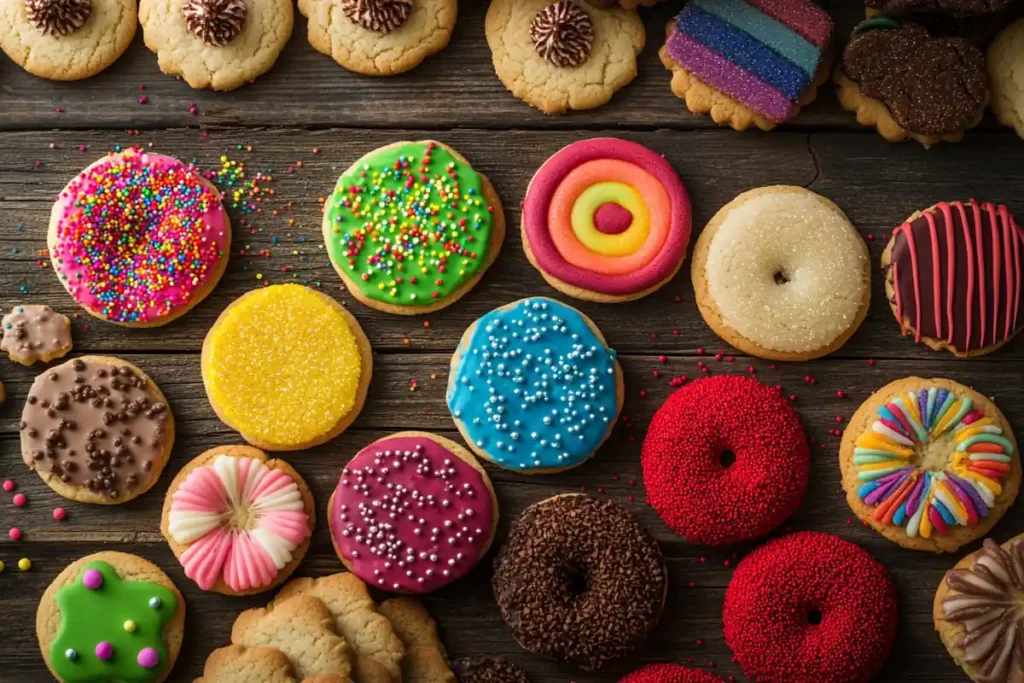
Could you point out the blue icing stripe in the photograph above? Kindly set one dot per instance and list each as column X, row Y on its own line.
column 535, row 388
column 766, row 29
column 745, row 51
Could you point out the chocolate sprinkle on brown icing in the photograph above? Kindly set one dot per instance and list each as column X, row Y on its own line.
column 931, row 86
column 58, row 17
column 94, row 425
column 580, row 580
column 947, row 6
column 215, row 22
column 381, row 16
column 488, row 670
column 563, row 34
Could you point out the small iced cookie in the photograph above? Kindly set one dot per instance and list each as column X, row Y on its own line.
column 606, row 220
column 781, row 273
column 66, row 40
column 1006, row 76
column 411, row 227
column 219, row 44
column 96, row 430
column 954, row 7
column 749, row 62
column 287, row 367
column 977, row 612
column 380, row 37
column 138, row 239
column 534, row 387
column 953, row 277
column 239, row 522
column 426, row 660
column 912, row 85
column 929, row 464
column 35, row 334
column 564, row 55
column 488, row 670
column 447, row 513
column 111, row 616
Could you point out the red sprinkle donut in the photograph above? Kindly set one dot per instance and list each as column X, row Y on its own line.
column 670, row 673
column 810, row 608
column 725, row 460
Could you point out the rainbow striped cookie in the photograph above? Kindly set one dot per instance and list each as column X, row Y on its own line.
column 748, row 62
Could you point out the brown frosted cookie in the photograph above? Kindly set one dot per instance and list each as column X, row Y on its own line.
column 929, row 463
column 97, row 430
column 380, row 37
column 565, row 55
column 35, row 334
column 912, row 85
column 955, row 7
column 426, row 660
column 953, row 277
column 111, row 616
column 488, row 670
column 977, row 612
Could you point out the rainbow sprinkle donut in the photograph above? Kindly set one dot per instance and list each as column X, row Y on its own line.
column 138, row 239
column 929, row 463
column 606, row 220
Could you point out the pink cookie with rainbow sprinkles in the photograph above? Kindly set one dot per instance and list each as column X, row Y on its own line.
column 138, row 239
column 749, row 62
column 606, row 220
column 412, row 512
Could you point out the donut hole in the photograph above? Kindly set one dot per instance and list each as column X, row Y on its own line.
column 577, row 581
column 780, row 277
column 726, row 458
column 814, row 616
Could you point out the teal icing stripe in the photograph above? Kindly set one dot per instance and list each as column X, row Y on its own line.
column 985, row 438
column 998, row 457
column 965, row 407
column 766, row 30
column 875, row 451
column 868, row 459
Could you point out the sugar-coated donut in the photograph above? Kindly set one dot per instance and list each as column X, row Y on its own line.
column 287, row 367
column 929, row 463
column 412, row 227
column 810, row 608
column 725, row 460
column 953, row 277
column 670, row 673
column 440, row 502
column 239, row 522
column 138, row 238
column 781, row 273
column 606, row 220
column 579, row 580
column 534, row 387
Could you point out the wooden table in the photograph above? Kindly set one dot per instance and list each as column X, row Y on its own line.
column 49, row 131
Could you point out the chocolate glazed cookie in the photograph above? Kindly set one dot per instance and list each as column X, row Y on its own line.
column 579, row 580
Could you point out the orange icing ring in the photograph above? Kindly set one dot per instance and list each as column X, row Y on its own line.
column 659, row 208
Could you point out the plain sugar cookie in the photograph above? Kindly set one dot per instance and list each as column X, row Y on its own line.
column 1006, row 76
column 287, row 367
column 111, row 616
column 781, row 273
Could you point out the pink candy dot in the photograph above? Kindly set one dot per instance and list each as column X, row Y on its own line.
column 148, row 658
column 14, row 534
column 9, row 485
column 92, row 579
column 104, row 650
column 59, row 514
column 20, row 499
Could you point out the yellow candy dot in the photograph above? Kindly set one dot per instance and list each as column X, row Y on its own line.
column 24, row 564
column 2, row 565
column 129, row 626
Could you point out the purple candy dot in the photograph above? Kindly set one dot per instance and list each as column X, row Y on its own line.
column 92, row 579
column 612, row 219
column 148, row 658
column 104, row 650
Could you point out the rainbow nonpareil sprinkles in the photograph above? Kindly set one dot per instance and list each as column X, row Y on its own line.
column 136, row 236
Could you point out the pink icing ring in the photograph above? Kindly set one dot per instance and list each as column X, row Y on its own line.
column 541, row 193
column 601, row 170
column 443, row 521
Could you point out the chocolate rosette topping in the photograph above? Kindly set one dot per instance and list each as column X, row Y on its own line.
column 58, row 17
column 215, row 22
column 380, row 16
column 563, row 34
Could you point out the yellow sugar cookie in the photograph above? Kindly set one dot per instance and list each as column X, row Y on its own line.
column 287, row 367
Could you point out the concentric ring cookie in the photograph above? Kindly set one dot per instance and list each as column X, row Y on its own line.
column 111, row 616
column 606, row 220
column 441, row 502
column 96, row 430
column 781, row 273
column 929, row 463
column 953, row 277
column 138, row 239
column 239, row 522
column 534, row 387
column 411, row 227
column 287, row 367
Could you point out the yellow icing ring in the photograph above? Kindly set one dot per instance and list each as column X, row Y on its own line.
column 282, row 366
column 587, row 204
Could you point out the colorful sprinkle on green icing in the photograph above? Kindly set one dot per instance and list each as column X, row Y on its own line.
column 409, row 225
column 931, row 461
column 95, row 645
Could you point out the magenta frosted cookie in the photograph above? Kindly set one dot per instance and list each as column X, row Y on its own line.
column 138, row 239
column 606, row 220
column 412, row 512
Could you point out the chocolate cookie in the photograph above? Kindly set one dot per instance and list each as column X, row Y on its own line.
column 488, row 670
column 958, row 7
column 910, row 84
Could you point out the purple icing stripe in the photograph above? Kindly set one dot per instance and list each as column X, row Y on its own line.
column 718, row 72
column 804, row 17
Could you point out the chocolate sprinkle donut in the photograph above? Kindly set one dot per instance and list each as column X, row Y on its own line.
column 488, row 670
column 955, row 7
column 579, row 580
